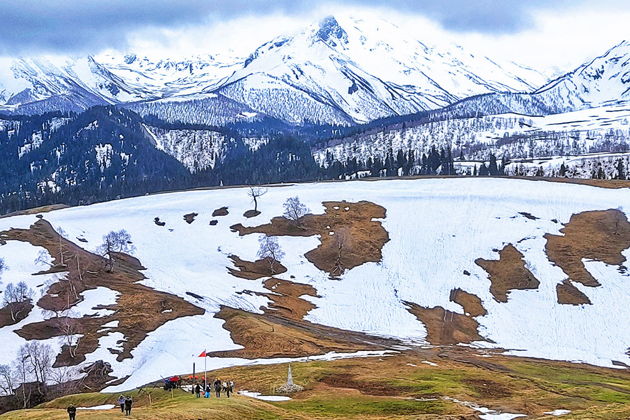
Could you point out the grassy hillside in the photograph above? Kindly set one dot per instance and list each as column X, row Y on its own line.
column 411, row 385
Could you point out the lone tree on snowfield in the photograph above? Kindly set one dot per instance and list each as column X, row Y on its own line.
column 114, row 243
column 270, row 250
column 17, row 298
column 255, row 193
column 294, row 210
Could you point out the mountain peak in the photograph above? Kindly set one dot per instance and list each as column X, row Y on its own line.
column 331, row 32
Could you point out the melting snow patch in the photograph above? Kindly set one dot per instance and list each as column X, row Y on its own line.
column 263, row 397
column 112, row 324
column 558, row 412
column 488, row 414
column 95, row 297
column 98, row 407
column 426, row 362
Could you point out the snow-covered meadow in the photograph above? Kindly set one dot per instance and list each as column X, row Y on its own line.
column 437, row 228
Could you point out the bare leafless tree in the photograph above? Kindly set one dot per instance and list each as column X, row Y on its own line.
column 114, row 243
column 294, row 210
column 43, row 258
column 17, row 299
column 342, row 242
column 255, row 193
column 2, row 266
column 39, row 360
column 70, row 330
column 270, row 250
column 7, row 380
column 62, row 234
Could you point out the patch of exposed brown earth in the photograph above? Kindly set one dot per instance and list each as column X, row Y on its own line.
column 568, row 294
column 251, row 213
column 508, row 273
column 471, row 303
column 445, row 327
column 286, row 298
column 486, row 388
column 348, row 235
column 592, row 235
column 139, row 309
column 221, row 211
column 6, row 319
column 601, row 183
column 258, row 269
column 190, row 217
column 36, row 210
column 267, row 336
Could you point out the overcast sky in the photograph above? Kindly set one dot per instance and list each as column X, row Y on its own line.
column 542, row 33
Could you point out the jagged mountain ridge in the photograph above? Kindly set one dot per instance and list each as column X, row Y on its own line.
column 337, row 71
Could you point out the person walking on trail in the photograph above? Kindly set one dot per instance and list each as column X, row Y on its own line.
column 197, row 391
column 208, row 390
column 229, row 388
column 72, row 412
column 121, row 403
column 128, row 404
column 217, row 388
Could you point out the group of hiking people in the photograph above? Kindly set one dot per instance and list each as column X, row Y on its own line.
column 227, row 387
column 125, row 404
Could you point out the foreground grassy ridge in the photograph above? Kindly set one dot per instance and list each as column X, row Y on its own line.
column 395, row 387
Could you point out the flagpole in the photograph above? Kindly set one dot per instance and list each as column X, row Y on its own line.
column 205, row 371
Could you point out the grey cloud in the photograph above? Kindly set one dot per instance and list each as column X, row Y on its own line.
column 28, row 26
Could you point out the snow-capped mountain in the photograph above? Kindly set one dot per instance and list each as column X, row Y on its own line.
column 336, row 71
column 602, row 81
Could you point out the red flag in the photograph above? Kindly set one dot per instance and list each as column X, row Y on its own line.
column 203, row 354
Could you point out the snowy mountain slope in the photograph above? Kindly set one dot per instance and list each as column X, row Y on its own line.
column 341, row 72
column 195, row 149
column 604, row 129
column 604, row 80
column 456, row 228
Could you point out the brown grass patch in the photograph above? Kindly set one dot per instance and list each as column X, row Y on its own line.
column 5, row 314
column 486, row 388
column 471, row 303
column 221, row 211
column 445, row 327
column 568, row 294
column 348, row 235
column 139, row 309
column 266, row 336
column 190, row 217
column 286, row 298
column 595, row 235
column 508, row 273
column 36, row 210
column 255, row 270
column 251, row 213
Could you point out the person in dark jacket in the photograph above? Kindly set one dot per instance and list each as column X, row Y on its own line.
column 217, row 387
column 128, row 404
column 197, row 391
column 208, row 391
column 228, row 388
column 72, row 412
column 121, row 403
